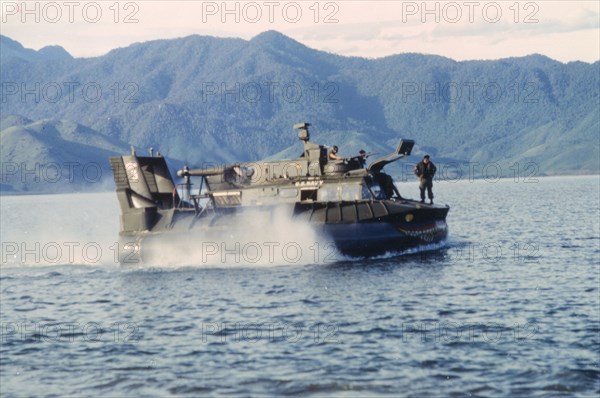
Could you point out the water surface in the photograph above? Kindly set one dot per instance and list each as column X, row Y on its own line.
column 509, row 306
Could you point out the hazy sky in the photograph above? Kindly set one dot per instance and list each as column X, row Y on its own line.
column 563, row 30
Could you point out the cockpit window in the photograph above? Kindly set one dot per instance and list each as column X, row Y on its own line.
column 351, row 192
column 377, row 190
column 327, row 193
column 366, row 193
column 370, row 188
column 348, row 192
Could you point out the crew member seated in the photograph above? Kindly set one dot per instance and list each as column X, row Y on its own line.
column 333, row 154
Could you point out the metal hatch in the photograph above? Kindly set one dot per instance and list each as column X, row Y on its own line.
column 404, row 149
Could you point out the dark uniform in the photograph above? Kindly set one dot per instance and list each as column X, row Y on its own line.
column 425, row 170
column 362, row 158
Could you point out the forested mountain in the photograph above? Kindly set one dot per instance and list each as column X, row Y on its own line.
column 206, row 99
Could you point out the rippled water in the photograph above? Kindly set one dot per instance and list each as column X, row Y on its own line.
column 508, row 307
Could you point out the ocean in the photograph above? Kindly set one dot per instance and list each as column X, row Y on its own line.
column 508, row 306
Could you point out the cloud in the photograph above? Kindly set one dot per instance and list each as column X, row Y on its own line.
column 363, row 28
column 584, row 21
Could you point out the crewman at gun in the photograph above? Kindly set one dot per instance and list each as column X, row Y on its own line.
column 333, row 154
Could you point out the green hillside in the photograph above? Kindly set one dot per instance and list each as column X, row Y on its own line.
column 205, row 99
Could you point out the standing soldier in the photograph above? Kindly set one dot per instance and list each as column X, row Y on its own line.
column 425, row 170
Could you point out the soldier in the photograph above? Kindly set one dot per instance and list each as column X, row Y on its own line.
column 425, row 170
column 333, row 154
column 362, row 157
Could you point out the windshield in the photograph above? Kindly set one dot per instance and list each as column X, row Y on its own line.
column 378, row 193
column 381, row 185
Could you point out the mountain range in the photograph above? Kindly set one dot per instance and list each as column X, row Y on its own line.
column 204, row 99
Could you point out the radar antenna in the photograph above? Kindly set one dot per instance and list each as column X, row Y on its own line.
column 303, row 133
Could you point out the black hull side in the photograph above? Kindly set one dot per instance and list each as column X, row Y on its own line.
column 358, row 229
column 361, row 229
